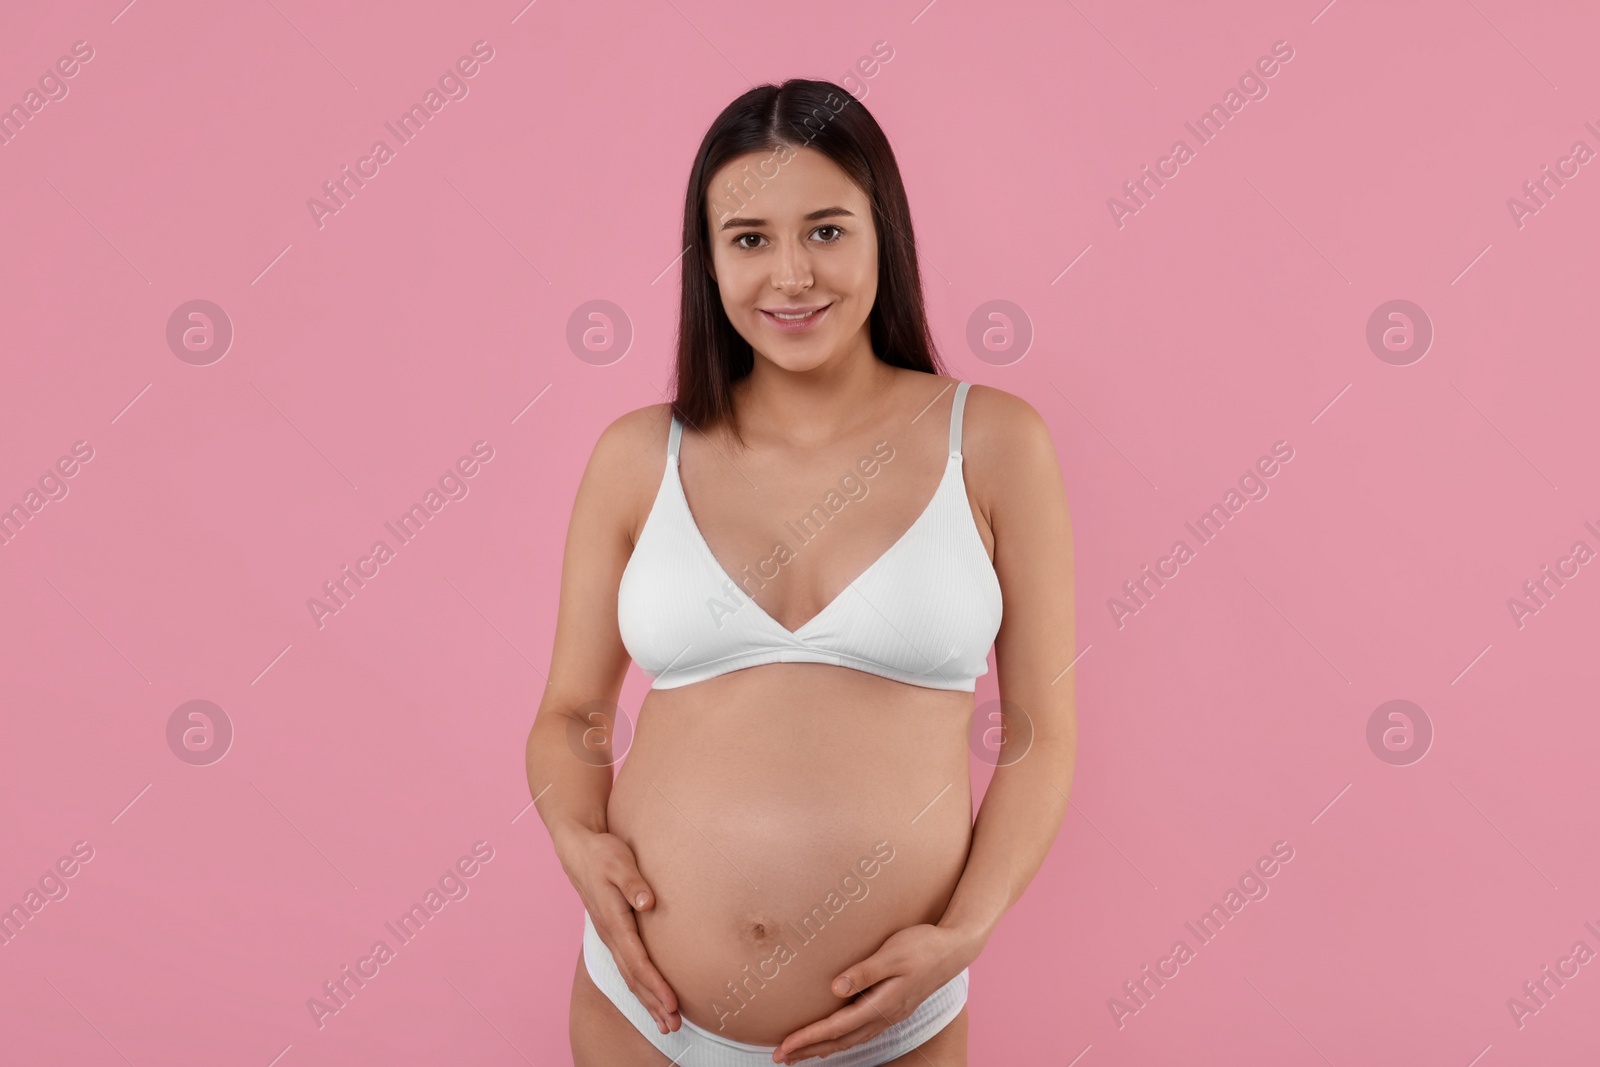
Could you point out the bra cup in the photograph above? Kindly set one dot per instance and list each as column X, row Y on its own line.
column 925, row 612
column 914, row 611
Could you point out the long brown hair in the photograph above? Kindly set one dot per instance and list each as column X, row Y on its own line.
column 777, row 118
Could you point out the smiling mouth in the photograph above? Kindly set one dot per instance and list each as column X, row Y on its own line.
column 797, row 318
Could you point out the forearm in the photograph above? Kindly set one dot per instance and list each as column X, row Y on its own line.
column 1015, row 827
column 569, row 769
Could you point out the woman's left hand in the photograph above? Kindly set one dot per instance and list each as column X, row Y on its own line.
column 892, row 983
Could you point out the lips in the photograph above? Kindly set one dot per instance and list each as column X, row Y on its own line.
column 795, row 318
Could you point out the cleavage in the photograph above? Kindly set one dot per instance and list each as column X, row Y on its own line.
column 795, row 553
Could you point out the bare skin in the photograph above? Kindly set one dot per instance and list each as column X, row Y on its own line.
column 748, row 798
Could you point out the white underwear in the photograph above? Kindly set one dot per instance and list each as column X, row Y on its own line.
column 693, row 1046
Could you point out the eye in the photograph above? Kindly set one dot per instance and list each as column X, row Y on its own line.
column 755, row 238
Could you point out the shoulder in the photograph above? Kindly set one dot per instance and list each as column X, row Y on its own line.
column 998, row 424
column 1007, row 448
column 633, row 435
column 628, row 461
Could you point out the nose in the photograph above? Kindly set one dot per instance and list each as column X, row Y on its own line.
column 791, row 269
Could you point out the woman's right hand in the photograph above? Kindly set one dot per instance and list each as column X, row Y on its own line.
column 603, row 871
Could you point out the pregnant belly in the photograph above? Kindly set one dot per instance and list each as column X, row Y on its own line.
column 789, row 819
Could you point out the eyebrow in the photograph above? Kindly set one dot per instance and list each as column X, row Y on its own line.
column 820, row 213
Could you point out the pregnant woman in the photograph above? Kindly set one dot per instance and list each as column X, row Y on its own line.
column 808, row 550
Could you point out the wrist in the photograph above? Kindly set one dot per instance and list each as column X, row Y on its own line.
column 971, row 932
column 565, row 831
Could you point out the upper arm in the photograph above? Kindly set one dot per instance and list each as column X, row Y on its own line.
column 588, row 661
column 1032, row 527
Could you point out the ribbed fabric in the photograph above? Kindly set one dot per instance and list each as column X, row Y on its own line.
column 925, row 612
column 694, row 1046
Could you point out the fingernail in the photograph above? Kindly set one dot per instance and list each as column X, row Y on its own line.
column 640, row 899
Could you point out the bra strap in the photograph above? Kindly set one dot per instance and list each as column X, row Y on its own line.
column 673, row 437
column 955, row 418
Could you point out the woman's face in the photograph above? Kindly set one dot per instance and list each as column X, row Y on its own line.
column 796, row 243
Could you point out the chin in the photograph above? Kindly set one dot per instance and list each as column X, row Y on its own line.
column 799, row 362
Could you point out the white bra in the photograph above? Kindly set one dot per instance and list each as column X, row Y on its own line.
column 925, row 612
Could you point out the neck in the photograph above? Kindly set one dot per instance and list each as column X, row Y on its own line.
column 811, row 408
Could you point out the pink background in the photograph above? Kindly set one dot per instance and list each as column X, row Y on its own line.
column 431, row 312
